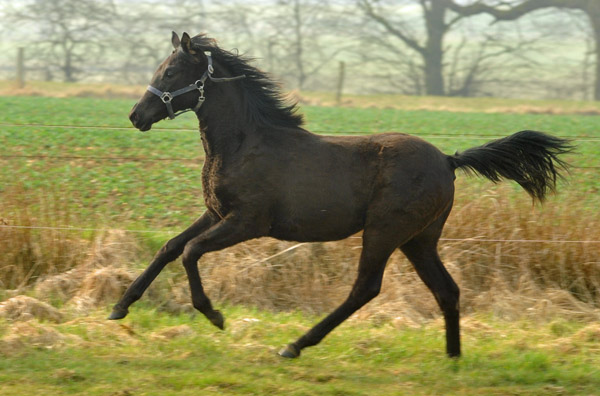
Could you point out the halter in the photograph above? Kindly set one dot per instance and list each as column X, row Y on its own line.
column 167, row 97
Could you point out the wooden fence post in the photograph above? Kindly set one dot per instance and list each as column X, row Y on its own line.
column 20, row 68
column 340, row 84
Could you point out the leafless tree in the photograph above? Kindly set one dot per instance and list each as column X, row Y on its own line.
column 509, row 11
column 423, row 26
column 65, row 33
column 302, row 35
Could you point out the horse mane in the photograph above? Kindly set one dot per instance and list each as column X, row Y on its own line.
column 265, row 103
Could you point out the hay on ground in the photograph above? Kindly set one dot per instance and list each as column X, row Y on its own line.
column 25, row 335
column 104, row 285
column 23, row 308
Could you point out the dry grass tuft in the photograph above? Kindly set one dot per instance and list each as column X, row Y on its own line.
column 104, row 285
column 590, row 333
column 23, row 308
column 173, row 332
column 22, row 336
column 100, row 274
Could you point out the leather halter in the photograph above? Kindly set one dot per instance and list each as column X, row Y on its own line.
column 167, row 97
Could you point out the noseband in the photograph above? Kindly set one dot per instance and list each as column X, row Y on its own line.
column 167, row 97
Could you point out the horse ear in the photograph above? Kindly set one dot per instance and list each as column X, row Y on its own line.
column 186, row 44
column 175, row 40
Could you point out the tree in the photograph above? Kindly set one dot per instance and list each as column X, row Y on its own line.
column 301, row 35
column 423, row 26
column 431, row 51
column 504, row 11
column 67, row 33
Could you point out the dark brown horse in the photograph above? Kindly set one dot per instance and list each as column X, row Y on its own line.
column 264, row 175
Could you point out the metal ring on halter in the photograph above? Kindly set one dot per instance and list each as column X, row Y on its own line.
column 166, row 97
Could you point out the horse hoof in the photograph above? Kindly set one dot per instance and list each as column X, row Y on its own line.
column 217, row 319
column 117, row 314
column 290, row 352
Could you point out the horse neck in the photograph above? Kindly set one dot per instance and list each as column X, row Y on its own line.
column 222, row 124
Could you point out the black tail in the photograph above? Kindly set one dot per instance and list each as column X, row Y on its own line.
column 530, row 158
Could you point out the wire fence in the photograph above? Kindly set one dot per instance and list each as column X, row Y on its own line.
column 433, row 135
column 171, row 232
column 579, row 138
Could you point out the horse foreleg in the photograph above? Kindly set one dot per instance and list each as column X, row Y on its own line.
column 227, row 232
column 373, row 259
column 169, row 252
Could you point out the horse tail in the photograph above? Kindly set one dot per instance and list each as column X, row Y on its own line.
column 528, row 157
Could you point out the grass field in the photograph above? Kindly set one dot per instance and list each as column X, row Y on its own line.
column 531, row 308
column 158, row 354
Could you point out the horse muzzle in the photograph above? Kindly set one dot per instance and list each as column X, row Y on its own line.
column 138, row 121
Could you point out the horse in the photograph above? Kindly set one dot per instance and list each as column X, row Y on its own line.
column 265, row 175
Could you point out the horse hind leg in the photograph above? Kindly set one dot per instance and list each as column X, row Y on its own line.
column 422, row 253
column 377, row 248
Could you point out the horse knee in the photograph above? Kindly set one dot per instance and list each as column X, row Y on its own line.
column 170, row 250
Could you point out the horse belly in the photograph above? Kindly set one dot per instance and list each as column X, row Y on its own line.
column 318, row 217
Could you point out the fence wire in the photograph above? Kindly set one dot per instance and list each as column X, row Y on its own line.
column 580, row 138
column 470, row 239
column 433, row 135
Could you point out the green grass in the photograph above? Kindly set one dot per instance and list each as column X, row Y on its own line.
column 359, row 358
column 164, row 189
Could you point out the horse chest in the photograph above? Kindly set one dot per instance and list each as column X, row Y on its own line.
column 218, row 197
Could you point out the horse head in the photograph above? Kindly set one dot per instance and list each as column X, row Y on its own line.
column 177, row 85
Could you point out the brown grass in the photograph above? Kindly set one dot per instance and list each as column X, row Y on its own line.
column 432, row 103
column 453, row 104
column 498, row 270
column 27, row 253
column 24, row 335
column 68, row 90
column 23, row 308
column 512, row 279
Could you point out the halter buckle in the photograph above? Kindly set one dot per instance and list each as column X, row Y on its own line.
column 166, row 97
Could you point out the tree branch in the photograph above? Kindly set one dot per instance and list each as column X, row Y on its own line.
column 511, row 13
column 411, row 42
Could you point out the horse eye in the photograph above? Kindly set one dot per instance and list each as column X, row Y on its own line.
column 170, row 73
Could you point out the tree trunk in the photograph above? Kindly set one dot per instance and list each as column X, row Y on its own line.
column 299, row 44
column 68, row 68
column 433, row 53
column 594, row 15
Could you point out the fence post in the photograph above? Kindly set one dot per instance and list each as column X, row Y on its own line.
column 340, row 84
column 20, row 68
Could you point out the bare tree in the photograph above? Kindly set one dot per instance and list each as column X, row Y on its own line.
column 431, row 49
column 68, row 33
column 423, row 26
column 302, row 34
column 509, row 11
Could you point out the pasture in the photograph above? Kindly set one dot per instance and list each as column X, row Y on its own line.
column 530, row 282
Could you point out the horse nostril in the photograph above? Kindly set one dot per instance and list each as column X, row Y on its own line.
column 133, row 116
